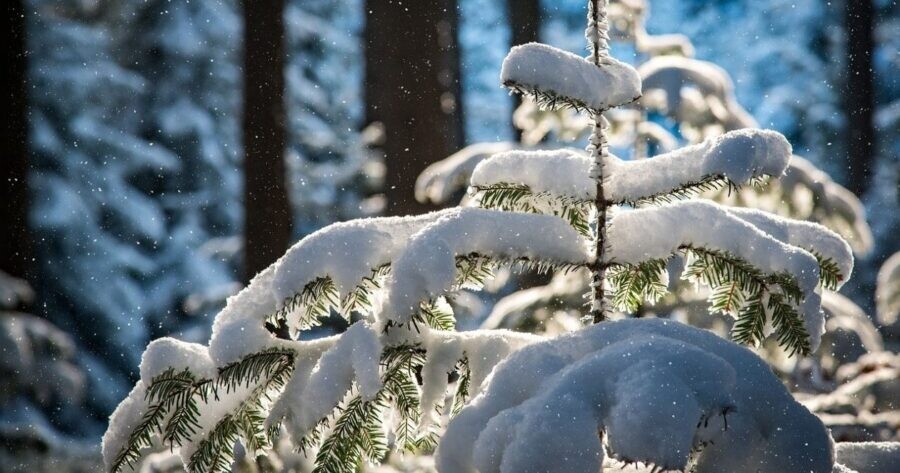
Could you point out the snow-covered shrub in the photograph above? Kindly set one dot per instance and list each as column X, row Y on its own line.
column 384, row 382
column 659, row 393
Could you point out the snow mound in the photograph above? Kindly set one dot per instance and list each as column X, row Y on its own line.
column 868, row 457
column 542, row 69
column 654, row 391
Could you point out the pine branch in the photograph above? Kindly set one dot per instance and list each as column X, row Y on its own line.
column 734, row 282
column 358, row 431
column 474, row 269
column 215, row 453
column 547, row 100
column 139, row 438
column 788, row 325
column 318, row 298
column 520, row 198
column 632, row 284
column 688, row 190
column 829, row 272
column 461, row 397
column 437, row 315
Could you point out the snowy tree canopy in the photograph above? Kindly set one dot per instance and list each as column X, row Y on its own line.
column 338, row 397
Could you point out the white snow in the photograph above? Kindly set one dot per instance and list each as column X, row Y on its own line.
column 657, row 388
column 346, row 252
column 427, row 266
column 355, row 357
column 675, row 75
column 437, row 183
column 164, row 353
column 561, row 172
column 887, row 293
column 552, row 70
column 868, row 457
column 812, row 237
column 739, row 156
column 123, row 420
column 657, row 232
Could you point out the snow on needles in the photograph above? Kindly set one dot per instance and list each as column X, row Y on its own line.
column 657, row 389
column 737, row 156
column 427, row 267
column 573, row 79
column 657, row 232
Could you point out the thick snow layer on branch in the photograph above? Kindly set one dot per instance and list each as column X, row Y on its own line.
column 437, row 183
column 561, row 172
column 868, row 457
column 355, row 357
column 347, row 252
column 657, row 232
column 831, row 203
column 123, row 420
column 887, row 293
column 427, row 266
column 162, row 354
column 165, row 353
column 673, row 75
column 570, row 77
column 657, row 389
column 812, row 237
column 738, row 156
column 482, row 348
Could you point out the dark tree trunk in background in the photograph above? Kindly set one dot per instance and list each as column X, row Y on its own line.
column 267, row 218
column 17, row 244
column 412, row 87
column 859, row 93
column 525, row 25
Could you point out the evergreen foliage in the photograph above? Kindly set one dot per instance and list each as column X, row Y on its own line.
column 409, row 355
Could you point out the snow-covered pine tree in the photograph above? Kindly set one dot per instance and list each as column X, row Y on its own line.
column 382, row 383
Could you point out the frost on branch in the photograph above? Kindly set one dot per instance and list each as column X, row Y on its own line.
column 696, row 93
column 648, row 391
column 559, row 78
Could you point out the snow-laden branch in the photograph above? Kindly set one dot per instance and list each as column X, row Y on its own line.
column 656, row 391
column 657, row 232
column 887, row 294
column 674, row 75
column 557, row 77
column 830, row 203
column 437, row 183
column 427, row 267
column 812, row 237
column 737, row 156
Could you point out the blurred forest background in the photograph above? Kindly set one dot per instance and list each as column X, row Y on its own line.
column 158, row 153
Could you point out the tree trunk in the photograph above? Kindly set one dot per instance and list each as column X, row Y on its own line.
column 859, row 93
column 525, row 26
column 17, row 243
column 267, row 217
column 412, row 87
